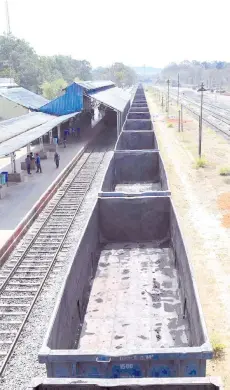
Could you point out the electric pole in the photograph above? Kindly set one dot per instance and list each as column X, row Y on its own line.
column 8, row 30
column 202, row 90
column 167, row 109
column 178, row 89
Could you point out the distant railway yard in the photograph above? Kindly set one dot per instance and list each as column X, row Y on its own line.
column 216, row 107
column 202, row 198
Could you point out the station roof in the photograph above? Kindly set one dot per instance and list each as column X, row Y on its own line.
column 26, row 130
column 115, row 98
column 7, row 82
column 23, row 96
column 15, row 126
column 94, row 85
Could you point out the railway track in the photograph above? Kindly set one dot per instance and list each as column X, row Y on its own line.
column 210, row 109
column 218, row 121
column 23, row 276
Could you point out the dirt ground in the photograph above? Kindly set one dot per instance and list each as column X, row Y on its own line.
column 202, row 200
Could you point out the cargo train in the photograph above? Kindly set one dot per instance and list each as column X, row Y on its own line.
column 129, row 306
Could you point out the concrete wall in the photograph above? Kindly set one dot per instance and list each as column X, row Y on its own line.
column 74, row 297
column 138, row 124
column 9, row 109
column 127, row 384
column 138, row 115
column 135, row 219
column 146, row 165
column 189, row 293
column 137, row 140
column 163, row 177
column 109, row 179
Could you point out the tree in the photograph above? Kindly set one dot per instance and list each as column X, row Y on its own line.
column 19, row 60
column 215, row 74
column 53, row 89
column 20, row 57
column 120, row 74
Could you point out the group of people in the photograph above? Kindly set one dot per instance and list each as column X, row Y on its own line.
column 69, row 131
column 30, row 160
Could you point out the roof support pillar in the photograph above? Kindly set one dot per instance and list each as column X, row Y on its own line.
column 13, row 162
column 41, row 143
column 51, row 136
column 28, row 149
column 59, row 131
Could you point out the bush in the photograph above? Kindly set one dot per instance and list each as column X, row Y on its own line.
column 201, row 162
column 170, row 125
column 218, row 348
column 225, row 171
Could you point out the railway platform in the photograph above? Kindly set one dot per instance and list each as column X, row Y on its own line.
column 21, row 197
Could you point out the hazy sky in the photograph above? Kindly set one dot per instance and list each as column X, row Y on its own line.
column 137, row 32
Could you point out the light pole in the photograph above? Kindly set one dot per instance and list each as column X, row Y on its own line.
column 178, row 89
column 201, row 89
column 167, row 107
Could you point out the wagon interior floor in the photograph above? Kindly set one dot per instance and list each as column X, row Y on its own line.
column 138, row 187
column 135, row 302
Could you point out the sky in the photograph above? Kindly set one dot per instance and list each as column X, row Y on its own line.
column 137, row 33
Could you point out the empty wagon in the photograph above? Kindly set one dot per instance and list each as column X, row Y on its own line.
column 129, row 306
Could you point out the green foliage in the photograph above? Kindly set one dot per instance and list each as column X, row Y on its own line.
column 218, row 347
column 170, row 125
column 225, row 171
column 201, row 162
column 53, row 89
column 49, row 74
column 120, row 74
column 19, row 60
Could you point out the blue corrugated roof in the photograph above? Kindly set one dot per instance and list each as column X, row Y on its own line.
column 23, row 97
column 71, row 101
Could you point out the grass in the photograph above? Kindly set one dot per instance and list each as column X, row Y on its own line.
column 225, row 171
column 170, row 125
column 201, row 162
column 218, row 348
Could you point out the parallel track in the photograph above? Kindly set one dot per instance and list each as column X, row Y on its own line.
column 28, row 269
column 208, row 112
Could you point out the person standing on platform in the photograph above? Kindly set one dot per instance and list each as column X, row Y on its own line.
column 56, row 159
column 38, row 163
column 28, row 164
column 78, row 132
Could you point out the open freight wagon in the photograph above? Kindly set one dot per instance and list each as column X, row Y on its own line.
column 129, row 306
column 135, row 172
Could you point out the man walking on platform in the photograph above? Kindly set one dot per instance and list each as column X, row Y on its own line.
column 38, row 163
column 56, row 159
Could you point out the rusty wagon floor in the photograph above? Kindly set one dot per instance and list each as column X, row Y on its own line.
column 134, row 303
column 138, row 187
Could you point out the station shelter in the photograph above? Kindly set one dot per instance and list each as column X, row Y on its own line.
column 71, row 109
